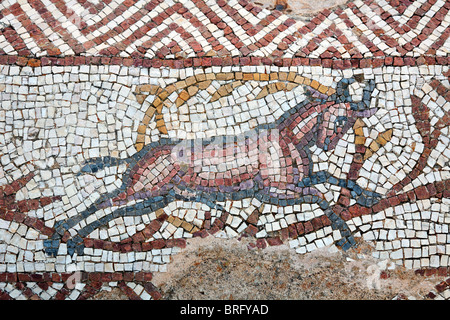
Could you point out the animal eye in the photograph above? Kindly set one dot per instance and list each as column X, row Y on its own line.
column 340, row 122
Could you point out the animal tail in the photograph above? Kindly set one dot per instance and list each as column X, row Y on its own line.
column 95, row 164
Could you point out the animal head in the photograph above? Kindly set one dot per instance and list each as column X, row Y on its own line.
column 352, row 102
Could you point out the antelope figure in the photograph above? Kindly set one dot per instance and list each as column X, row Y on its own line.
column 272, row 163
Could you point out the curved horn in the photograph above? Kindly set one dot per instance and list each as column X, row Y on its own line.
column 342, row 94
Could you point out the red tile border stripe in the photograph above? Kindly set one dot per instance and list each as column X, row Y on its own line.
column 225, row 61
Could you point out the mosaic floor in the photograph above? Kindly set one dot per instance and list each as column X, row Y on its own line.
column 131, row 126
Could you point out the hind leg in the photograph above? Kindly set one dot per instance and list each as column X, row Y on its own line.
column 144, row 207
column 76, row 243
column 51, row 246
column 150, row 204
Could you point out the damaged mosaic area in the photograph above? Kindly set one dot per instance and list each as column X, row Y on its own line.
column 107, row 169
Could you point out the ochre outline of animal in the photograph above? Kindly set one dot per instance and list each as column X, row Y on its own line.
column 280, row 81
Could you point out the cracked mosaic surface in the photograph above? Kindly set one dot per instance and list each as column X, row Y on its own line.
column 113, row 152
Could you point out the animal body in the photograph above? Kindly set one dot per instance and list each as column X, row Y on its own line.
column 271, row 163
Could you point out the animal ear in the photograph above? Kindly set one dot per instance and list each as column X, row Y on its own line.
column 364, row 104
column 342, row 90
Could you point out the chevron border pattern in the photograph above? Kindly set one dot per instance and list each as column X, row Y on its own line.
column 158, row 29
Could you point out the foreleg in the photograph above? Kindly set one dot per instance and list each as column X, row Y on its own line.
column 76, row 243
